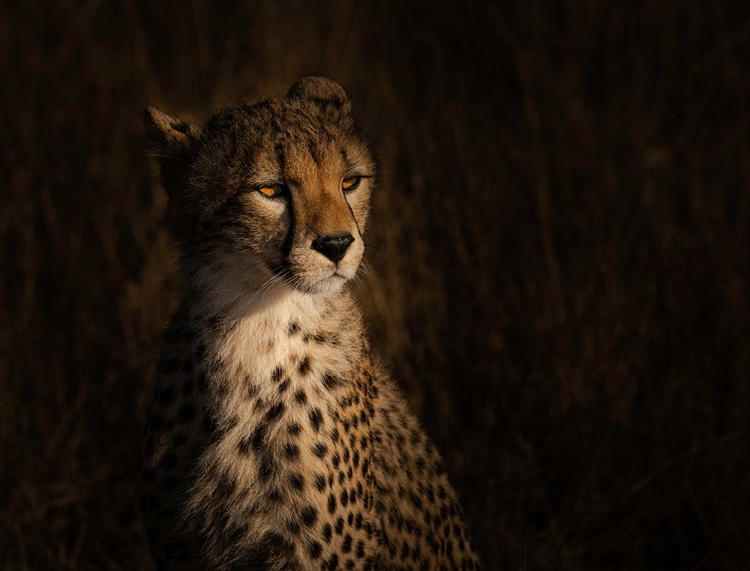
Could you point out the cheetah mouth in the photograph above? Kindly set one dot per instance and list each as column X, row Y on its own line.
column 333, row 279
column 310, row 284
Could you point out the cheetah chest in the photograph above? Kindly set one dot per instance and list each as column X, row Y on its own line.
column 293, row 458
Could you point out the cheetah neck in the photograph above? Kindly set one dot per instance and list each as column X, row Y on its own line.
column 289, row 329
column 293, row 342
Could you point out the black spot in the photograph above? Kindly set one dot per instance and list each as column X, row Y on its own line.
column 327, row 532
column 360, row 553
column 291, row 451
column 231, row 422
column 278, row 372
column 333, row 561
column 320, row 449
column 344, row 498
column 304, row 366
column 293, row 328
column 275, row 495
column 297, row 481
column 300, row 396
column 309, row 516
column 346, row 547
column 316, row 419
column 314, row 549
column 187, row 412
column 266, row 468
column 320, row 482
column 294, row 527
column 339, row 526
column 284, row 386
column 294, row 428
column 258, row 436
column 274, row 412
column 331, row 503
column 331, row 381
column 244, row 445
column 336, row 460
column 252, row 390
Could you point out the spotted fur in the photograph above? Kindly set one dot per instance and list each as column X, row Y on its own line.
column 274, row 441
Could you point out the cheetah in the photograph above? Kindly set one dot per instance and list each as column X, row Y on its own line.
column 275, row 440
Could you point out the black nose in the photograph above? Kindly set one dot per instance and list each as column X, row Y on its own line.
column 333, row 247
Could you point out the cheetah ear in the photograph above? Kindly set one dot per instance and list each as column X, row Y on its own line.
column 167, row 137
column 321, row 91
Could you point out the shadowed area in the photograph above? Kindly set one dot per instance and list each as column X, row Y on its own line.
column 557, row 266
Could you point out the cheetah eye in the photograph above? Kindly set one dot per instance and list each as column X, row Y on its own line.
column 273, row 191
column 351, row 183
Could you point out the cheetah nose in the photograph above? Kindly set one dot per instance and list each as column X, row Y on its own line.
column 333, row 247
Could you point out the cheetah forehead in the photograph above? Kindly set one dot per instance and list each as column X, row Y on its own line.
column 275, row 139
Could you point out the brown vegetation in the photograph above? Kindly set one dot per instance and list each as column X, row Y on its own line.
column 559, row 259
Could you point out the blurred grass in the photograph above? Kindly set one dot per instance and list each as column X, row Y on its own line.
column 559, row 255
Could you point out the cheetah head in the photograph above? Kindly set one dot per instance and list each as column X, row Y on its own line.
column 271, row 193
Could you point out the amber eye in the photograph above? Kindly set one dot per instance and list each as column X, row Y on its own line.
column 272, row 191
column 351, row 183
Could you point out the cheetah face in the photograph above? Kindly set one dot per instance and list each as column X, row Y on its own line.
column 278, row 191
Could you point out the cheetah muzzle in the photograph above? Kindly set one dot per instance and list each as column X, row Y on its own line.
column 274, row 440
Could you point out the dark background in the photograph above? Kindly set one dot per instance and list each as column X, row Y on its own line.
column 558, row 258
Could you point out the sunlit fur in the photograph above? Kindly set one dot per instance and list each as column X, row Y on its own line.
column 274, row 441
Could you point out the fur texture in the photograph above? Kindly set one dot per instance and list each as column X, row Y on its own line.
column 274, row 441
